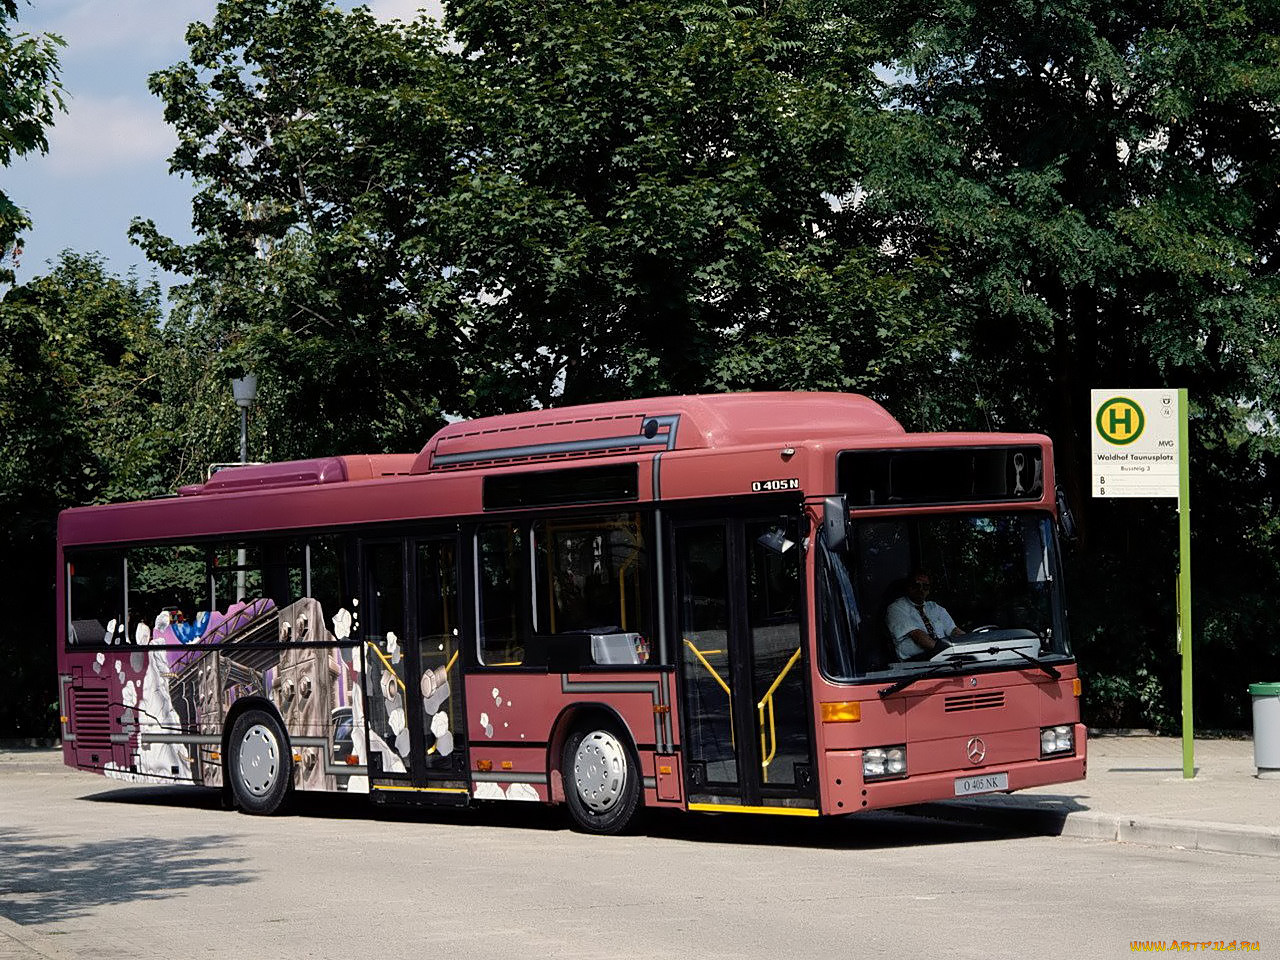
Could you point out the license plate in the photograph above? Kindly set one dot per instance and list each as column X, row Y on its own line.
column 982, row 783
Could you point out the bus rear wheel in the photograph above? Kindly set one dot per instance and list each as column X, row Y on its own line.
column 259, row 764
column 601, row 778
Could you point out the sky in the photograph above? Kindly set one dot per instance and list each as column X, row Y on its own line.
column 108, row 154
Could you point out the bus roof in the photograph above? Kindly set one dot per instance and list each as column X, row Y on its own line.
column 753, row 428
column 698, row 421
column 703, row 421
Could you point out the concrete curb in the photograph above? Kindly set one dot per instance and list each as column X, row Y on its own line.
column 18, row 941
column 1088, row 825
column 31, row 759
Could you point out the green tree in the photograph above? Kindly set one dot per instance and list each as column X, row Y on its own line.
column 315, row 139
column 81, row 387
column 30, row 96
column 661, row 199
column 585, row 199
column 1098, row 178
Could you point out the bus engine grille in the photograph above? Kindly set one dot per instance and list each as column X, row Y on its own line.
column 974, row 701
column 91, row 718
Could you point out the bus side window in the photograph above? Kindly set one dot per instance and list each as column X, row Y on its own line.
column 168, row 590
column 95, row 583
column 593, row 591
column 500, row 558
column 327, row 581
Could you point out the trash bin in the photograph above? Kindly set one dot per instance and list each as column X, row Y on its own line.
column 1266, row 729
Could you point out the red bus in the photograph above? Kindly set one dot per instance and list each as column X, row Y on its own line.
column 702, row 603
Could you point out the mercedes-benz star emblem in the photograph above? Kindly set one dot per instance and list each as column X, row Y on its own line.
column 976, row 749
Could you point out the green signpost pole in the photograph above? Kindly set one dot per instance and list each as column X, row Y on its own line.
column 1184, row 588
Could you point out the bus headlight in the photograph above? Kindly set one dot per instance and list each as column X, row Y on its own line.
column 882, row 763
column 1055, row 740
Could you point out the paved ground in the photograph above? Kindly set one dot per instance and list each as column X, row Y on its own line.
column 90, row 868
column 1136, row 792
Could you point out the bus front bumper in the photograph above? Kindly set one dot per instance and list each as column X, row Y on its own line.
column 847, row 792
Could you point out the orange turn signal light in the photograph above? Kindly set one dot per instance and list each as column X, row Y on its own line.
column 842, row 711
column 1075, row 686
column 484, row 766
column 352, row 760
column 664, row 770
column 506, row 764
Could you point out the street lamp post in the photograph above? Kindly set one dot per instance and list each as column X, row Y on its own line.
column 245, row 390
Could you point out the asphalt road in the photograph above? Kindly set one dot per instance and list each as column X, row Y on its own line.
column 91, row 868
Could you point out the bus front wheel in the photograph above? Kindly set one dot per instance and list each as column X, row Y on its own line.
column 601, row 777
column 259, row 764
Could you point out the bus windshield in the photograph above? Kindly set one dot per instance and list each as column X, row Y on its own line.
column 912, row 592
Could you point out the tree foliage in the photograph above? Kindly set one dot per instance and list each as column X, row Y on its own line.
column 568, row 200
column 656, row 199
column 30, row 96
column 308, row 133
column 82, row 394
column 1101, row 177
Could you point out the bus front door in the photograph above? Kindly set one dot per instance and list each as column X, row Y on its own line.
column 413, row 687
column 746, row 726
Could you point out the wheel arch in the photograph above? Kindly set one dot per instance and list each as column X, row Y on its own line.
column 570, row 718
column 242, row 705
column 231, row 797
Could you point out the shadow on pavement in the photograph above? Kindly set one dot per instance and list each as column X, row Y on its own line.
column 875, row 830
column 924, row 825
column 55, row 879
column 1041, row 814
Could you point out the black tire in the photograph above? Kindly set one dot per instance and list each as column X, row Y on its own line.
column 259, row 764
column 601, row 778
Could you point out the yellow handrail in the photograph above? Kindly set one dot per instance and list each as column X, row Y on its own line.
column 710, row 669
column 720, row 680
column 630, row 564
column 769, row 749
column 447, row 668
column 386, row 663
column 630, row 525
column 391, row 668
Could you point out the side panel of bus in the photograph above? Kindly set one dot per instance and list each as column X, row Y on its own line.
column 166, row 644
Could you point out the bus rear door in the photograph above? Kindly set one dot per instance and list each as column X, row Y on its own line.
column 413, row 686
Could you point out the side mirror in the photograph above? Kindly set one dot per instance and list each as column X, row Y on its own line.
column 1066, row 519
column 835, row 522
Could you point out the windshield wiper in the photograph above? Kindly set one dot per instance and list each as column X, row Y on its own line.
column 955, row 660
column 1040, row 664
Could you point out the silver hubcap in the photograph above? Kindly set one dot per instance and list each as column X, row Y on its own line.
column 600, row 770
column 259, row 760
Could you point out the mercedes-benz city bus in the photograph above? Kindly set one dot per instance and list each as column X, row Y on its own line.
column 702, row 603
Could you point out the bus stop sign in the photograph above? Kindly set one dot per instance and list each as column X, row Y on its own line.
column 1135, row 443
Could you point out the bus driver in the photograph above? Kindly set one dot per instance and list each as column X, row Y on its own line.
column 917, row 625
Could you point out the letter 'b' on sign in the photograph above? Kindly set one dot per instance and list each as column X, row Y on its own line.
column 1120, row 421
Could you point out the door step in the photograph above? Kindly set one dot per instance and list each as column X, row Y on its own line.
column 450, row 796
